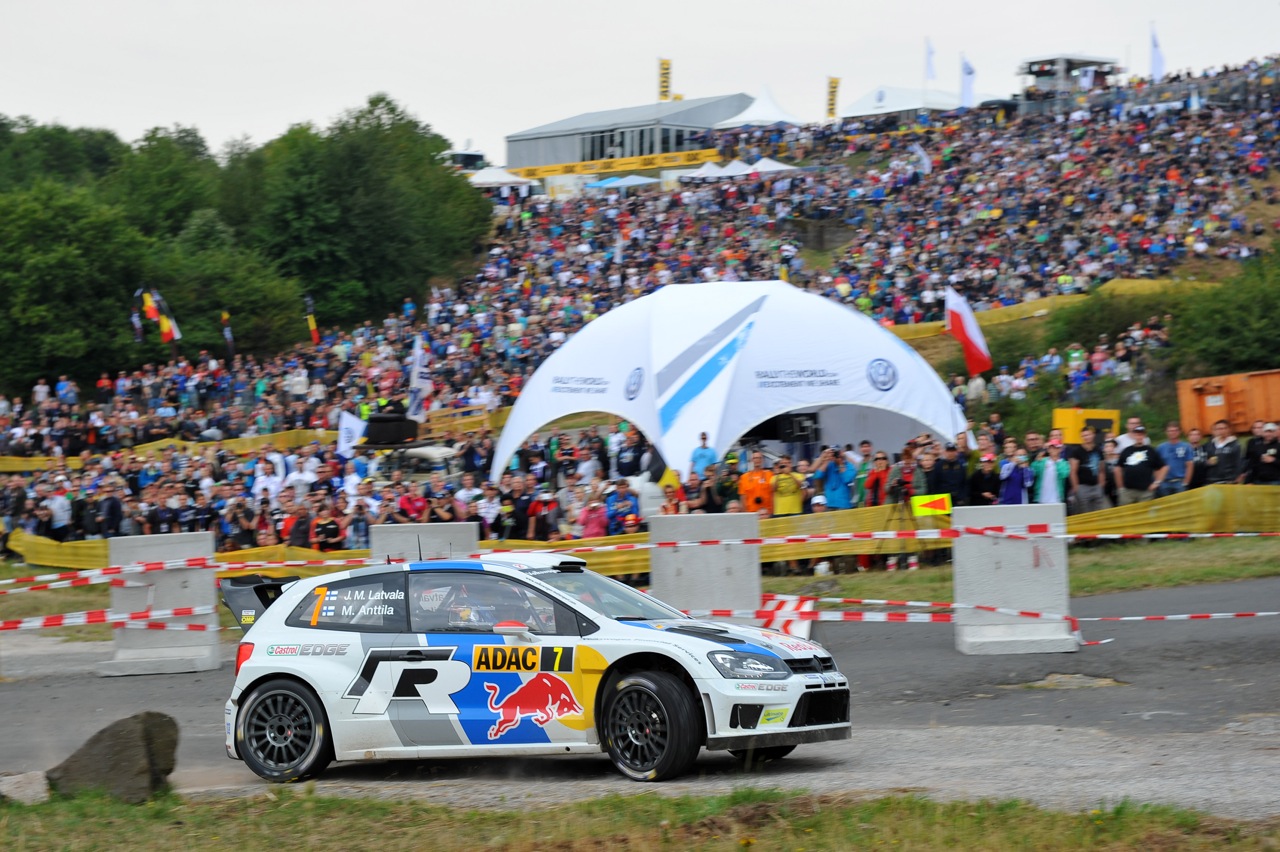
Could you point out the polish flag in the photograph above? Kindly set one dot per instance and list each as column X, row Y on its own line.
column 963, row 326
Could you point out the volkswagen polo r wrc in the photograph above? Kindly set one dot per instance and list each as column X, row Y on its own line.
column 527, row 655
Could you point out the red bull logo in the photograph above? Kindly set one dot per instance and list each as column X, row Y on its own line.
column 543, row 697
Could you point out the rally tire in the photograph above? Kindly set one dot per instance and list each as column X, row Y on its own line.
column 754, row 758
column 650, row 726
column 282, row 733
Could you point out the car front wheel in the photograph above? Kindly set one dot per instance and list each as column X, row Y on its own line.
column 282, row 734
column 651, row 726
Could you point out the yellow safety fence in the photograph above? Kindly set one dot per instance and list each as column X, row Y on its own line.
column 1217, row 508
column 239, row 446
column 1146, row 286
column 995, row 316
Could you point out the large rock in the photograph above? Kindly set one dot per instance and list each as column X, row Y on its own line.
column 130, row 759
column 29, row 788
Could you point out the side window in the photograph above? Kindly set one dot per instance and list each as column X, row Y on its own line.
column 371, row 604
column 472, row 602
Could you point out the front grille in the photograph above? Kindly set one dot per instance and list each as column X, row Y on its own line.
column 829, row 707
column 812, row 665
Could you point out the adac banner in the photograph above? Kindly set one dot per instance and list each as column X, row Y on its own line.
column 673, row 160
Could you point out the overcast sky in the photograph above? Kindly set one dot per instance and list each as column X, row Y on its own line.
column 480, row 69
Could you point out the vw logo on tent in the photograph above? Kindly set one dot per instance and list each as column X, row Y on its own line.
column 882, row 374
column 635, row 381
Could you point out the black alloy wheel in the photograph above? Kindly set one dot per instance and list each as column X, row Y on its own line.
column 282, row 734
column 651, row 726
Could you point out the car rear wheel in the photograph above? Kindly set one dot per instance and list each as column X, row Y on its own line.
column 651, row 726
column 282, row 734
column 754, row 757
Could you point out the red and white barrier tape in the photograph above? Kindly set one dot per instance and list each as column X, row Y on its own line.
column 114, row 582
column 101, row 616
column 117, row 570
column 1199, row 616
column 305, row 563
column 1025, row 533
column 160, row 625
column 194, row 562
column 829, row 615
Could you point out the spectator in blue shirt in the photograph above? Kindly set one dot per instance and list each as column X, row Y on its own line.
column 837, row 477
column 703, row 456
column 619, row 504
column 1180, row 457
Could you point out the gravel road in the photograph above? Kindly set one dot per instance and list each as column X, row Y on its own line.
column 1192, row 720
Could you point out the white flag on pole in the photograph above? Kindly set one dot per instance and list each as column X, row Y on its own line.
column 926, row 165
column 350, row 430
column 420, row 384
column 930, row 73
column 1157, row 57
column 1086, row 78
column 966, row 82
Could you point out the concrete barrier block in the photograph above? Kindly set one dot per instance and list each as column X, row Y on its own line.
column 433, row 541
column 165, row 651
column 1026, row 575
column 709, row 576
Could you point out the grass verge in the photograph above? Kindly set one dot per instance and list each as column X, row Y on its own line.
column 746, row 818
column 1118, row 567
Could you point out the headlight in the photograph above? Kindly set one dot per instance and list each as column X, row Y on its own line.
column 741, row 666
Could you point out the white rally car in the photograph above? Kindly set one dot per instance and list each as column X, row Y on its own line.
column 526, row 655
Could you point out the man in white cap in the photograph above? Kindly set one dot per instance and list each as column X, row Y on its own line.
column 1264, row 462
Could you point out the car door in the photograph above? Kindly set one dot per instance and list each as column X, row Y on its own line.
column 519, row 690
column 355, row 656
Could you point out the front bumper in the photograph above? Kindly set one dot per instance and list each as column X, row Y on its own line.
column 791, row 736
column 805, row 708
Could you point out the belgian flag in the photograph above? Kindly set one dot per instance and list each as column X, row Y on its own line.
column 169, row 331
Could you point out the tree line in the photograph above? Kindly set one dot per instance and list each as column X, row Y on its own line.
column 357, row 215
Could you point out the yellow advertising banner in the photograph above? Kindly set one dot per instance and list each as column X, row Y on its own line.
column 833, row 90
column 664, row 79
column 673, row 160
column 1072, row 420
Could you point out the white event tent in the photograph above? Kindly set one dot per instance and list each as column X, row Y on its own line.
column 768, row 165
column 722, row 357
column 494, row 176
column 763, row 112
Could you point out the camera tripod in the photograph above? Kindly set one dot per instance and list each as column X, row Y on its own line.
column 900, row 518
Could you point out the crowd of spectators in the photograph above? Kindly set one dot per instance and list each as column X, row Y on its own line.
column 1004, row 213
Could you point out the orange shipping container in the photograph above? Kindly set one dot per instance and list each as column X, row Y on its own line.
column 1240, row 399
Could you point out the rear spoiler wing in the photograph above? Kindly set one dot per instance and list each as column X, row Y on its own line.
column 249, row 596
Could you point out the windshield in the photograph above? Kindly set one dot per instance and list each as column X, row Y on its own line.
column 606, row 596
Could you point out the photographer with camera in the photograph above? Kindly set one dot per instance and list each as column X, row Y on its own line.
column 1016, row 478
column 755, row 487
column 835, row 475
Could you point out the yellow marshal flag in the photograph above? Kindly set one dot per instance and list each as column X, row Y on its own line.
column 931, row 504
column 833, row 90
column 664, row 79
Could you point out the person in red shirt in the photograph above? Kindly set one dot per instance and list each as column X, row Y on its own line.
column 412, row 506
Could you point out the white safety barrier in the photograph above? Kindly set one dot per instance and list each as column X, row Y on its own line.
column 724, row 574
column 137, row 652
column 1015, row 572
